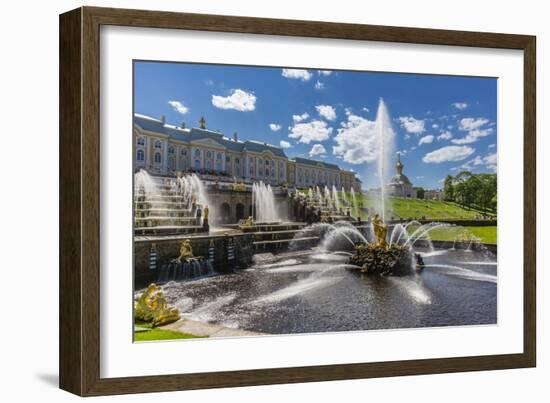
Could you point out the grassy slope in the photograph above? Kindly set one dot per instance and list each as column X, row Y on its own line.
column 417, row 208
column 485, row 234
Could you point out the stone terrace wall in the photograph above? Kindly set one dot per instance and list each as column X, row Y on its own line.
column 168, row 249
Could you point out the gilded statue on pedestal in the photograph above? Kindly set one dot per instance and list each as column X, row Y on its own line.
column 248, row 222
column 186, row 251
column 380, row 230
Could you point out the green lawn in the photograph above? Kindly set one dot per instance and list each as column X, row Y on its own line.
column 485, row 234
column 417, row 208
column 161, row 334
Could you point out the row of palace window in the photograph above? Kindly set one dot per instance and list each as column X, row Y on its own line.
column 317, row 177
column 265, row 166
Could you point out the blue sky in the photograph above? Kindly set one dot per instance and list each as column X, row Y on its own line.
column 442, row 124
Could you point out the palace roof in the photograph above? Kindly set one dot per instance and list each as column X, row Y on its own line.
column 193, row 134
column 315, row 163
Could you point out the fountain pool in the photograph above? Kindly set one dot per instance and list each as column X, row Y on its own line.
column 321, row 293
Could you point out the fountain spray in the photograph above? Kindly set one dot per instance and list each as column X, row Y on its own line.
column 386, row 146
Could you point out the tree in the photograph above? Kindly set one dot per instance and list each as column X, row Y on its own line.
column 420, row 193
column 449, row 188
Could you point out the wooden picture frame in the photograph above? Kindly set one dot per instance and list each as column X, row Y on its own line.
column 80, row 200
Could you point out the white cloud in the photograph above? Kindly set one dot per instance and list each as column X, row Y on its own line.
column 473, row 136
column 470, row 165
column 365, row 109
column 325, row 72
column 490, row 161
column 274, row 127
column 474, row 127
column 460, row 105
column 356, row 140
column 239, row 100
column 326, row 111
column 492, row 145
column 468, row 124
column 445, row 135
column 303, row 75
column 412, row 125
column 435, row 126
column 284, row 144
column 179, row 107
column 426, row 139
column 299, row 118
column 319, row 85
column 317, row 149
column 316, row 130
column 449, row 153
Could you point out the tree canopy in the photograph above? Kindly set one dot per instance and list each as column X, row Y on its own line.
column 472, row 190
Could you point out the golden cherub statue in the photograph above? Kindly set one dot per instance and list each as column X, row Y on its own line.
column 380, row 230
column 206, row 211
column 186, row 251
column 153, row 307
column 248, row 222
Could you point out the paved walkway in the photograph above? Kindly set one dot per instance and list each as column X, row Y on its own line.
column 207, row 329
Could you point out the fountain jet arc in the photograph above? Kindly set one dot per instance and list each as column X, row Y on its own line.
column 264, row 203
column 386, row 147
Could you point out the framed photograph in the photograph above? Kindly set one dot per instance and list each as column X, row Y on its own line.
column 250, row 201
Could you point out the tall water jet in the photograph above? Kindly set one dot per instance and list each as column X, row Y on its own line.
column 264, row 203
column 335, row 199
column 145, row 185
column 354, row 203
column 386, row 146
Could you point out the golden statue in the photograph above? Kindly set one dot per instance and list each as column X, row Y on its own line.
column 205, row 211
column 202, row 123
column 239, row 187
column 153, row 307
column 248, row 222
column 380, row 230
column 186, row 251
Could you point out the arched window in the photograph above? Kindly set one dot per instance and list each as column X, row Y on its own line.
column 197, row 152
column 219, row 156
column 208, row 154
column 182, row 165
column 158, row 144
column 237, row 161
column 219, row 166
column 171, row 150
column 172, row 163
column 158, row 158
column 208, row 164
column 140, row 155
column 197, row 164
column 141, row 141
column 183, row 151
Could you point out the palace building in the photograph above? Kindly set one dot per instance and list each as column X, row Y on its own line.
column 165, row 149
